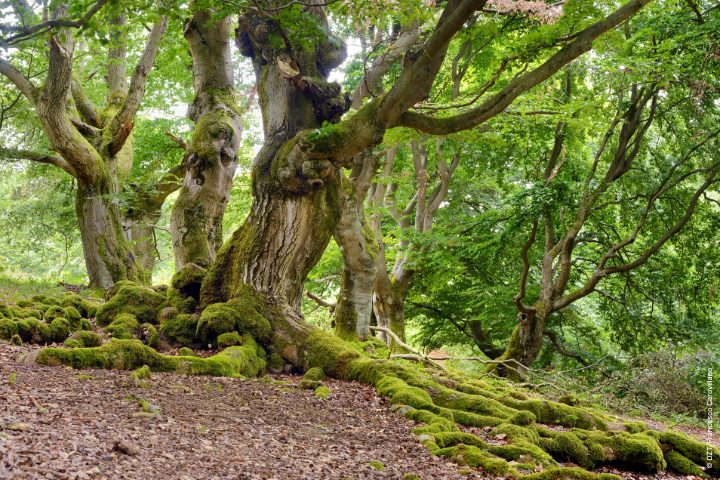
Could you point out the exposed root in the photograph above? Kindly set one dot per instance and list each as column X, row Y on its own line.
column 247, row 360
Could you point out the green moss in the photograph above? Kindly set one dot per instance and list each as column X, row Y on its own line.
column 246, row 360
column 677, row 462
column 275, row 362
column 638, row 450
column 328, row 352
column 379, row 466
column 322, row 392
column 5, row 311
column 635, row 427
column 475, row 457
column 24, row 303
column 16, row 340
column 8, row 328
column 53, row 312
column 569, row 473
column 448, row 439
column 180, row 329
column 550, row 412
column 142, row 302
column 86, row 308
column 27, row 313
column 434, row 423
column 59, row 329
column 523, row 417
column 238, row 315
column 71, row 343
column 73, row 317
column 188, row 279
column 517, row 433
column 86, row 338
column 475, row 420
column 124, row 326
column 34, row 331
column 315, row 373
column 182, row 303
column 149, row 335
column 566, row 446
column 141, row 373
column 692, row 449
column 185, row 351
column 229, row 339
column 569, row 399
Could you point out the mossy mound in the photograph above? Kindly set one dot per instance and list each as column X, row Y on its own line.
column 180, row 329
column 188, row 279
column 246, row 360
column 125, row 326
column 8, row 328
column 87, row 339
column 32, row 330
column 59, row 329
column 235, row 315
column 142, row 302
column 5, row 311
column 86, row 308
column 149, row 335
column 229, row 339
column 52, row 312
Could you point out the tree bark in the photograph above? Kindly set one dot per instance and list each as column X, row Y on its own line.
column 211, row 160
column 108, row 257
column 359, row 249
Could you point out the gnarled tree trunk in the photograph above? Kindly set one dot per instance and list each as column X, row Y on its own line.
column 211, row 160
column 108, row 257
column 359, row 248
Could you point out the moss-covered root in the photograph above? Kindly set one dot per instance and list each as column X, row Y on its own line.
column 142, row 302
column 245, row 360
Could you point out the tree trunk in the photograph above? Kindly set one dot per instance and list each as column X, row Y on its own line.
column 211, row 160
column 389, row 307
column 359, row 248
column 296, row 197
column 140, row 235
column 526, row 340
column 107, row 255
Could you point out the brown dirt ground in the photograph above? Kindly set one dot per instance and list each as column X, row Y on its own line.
column 60, row 423
column 64, row 423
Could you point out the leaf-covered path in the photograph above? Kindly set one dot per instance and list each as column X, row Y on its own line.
column 63, row 423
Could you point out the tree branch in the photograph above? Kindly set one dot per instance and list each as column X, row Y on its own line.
column 18, row 79
column 24, row 33
column 20, row 154
column 581, row 43
column 121, row 125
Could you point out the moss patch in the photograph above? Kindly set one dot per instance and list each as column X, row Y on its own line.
column 245, row 360
column 180, row 329
column 142, row 302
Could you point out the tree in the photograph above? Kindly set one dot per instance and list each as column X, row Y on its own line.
column 211, row 157
column 93, row 146
column 296, row 186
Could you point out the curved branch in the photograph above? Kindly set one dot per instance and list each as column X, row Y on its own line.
column 581, row 43
column 561, row 348
column 122, row 123
column 25, row 33
column 21, row 81
column 20, row 154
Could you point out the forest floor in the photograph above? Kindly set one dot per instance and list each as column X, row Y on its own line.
column 56, row 422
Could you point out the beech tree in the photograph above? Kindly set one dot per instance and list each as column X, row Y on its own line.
column 93, row 145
